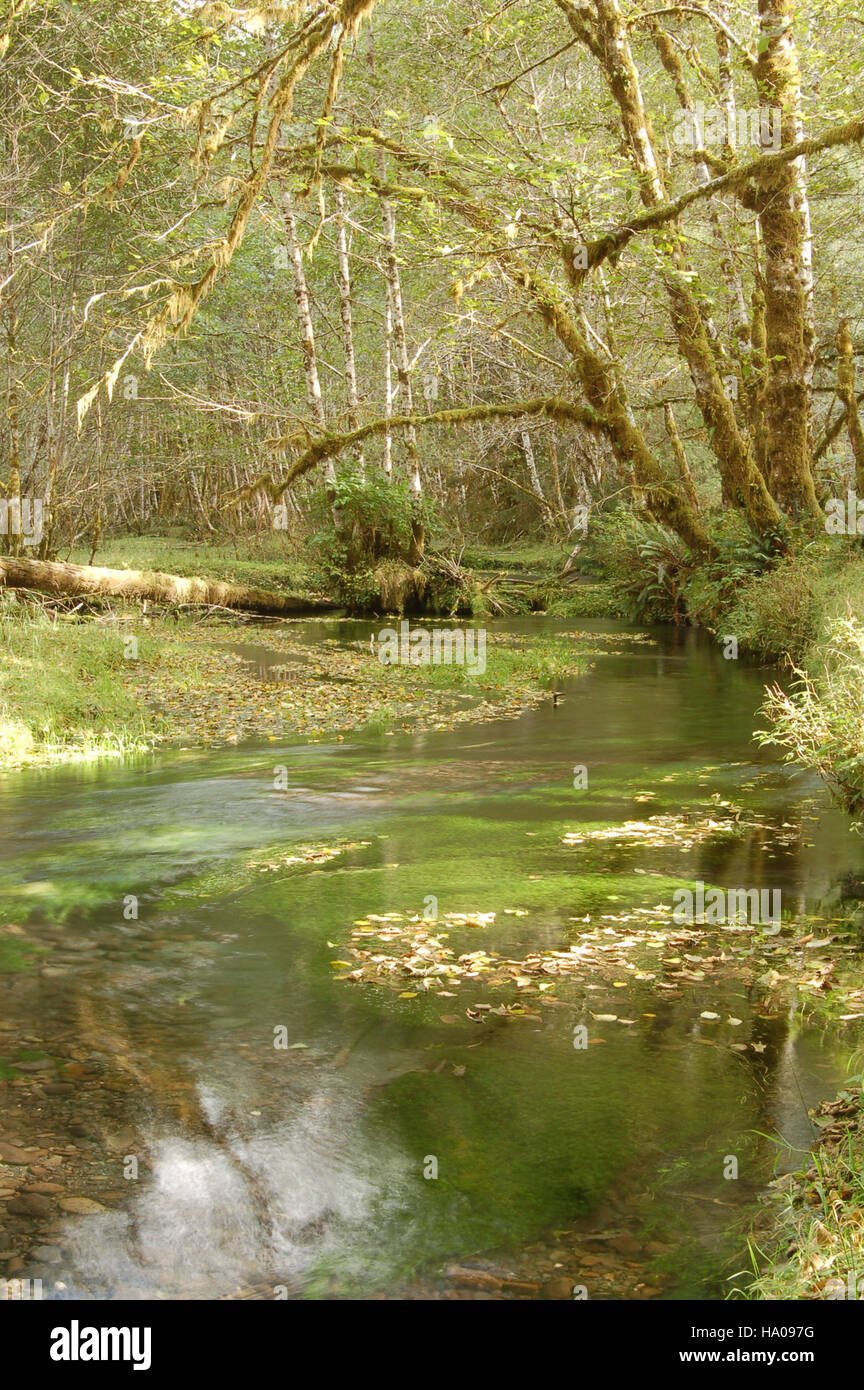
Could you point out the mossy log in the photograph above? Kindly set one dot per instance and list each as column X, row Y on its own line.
column 77, row 581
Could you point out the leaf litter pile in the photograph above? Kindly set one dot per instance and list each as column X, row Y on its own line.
column 329, row 688
column 685, row 831
column 642, row 952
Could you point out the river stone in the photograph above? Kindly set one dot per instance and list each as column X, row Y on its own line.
column 625, row 1245
column 47, row 1254
column 11, row 1154
column 557, row 1289
column 80, row 1206
column 30, row 1204
column 121, row 1140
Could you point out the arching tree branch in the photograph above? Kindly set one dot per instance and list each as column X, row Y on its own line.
column 329, row 445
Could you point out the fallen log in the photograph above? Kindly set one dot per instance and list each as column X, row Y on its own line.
column 76, row 581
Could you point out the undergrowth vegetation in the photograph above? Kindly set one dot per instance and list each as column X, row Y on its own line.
column 819, row 722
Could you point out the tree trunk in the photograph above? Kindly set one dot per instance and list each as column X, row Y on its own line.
column 534, row 479
column 314, row 398
column 13, row 418
column 51, row 577
column 680, row 456
column 403, row 367
column 347, row 321
column 607, row 38
column 788, row 281
column 846, row 392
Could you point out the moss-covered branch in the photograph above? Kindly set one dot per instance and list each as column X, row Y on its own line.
column 738, row 180
column 329, row 445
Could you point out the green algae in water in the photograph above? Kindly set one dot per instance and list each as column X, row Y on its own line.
column 17, row 955
column 530, row 1135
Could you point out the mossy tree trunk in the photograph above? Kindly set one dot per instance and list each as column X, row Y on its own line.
column 784, row 221
column 403, row 367
column 604, row 32
column 52, row 577
column 846, row 392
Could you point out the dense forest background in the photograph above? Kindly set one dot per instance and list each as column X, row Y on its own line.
column 386, row 276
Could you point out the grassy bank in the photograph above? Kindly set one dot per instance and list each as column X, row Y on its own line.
column 788, row 611
column 811, row 1245
column 120, row 681
column 65, row 692
column 526, row 576
column 808, row 613
column 268, row 562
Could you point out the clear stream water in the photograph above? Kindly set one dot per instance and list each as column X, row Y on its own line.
column 305, row 1165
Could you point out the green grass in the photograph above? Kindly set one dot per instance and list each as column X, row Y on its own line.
column 586, row 601
column 513, row 667
column 265, row 563
column 815, row 1236
column 63, row 686
column 788, row 611
column 533, row 557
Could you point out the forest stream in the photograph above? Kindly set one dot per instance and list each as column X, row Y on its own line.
column 207, row 1105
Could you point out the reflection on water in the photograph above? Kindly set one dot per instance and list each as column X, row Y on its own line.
column 306, row 1166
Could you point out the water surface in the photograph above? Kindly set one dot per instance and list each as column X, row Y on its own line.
column 307, row 1167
